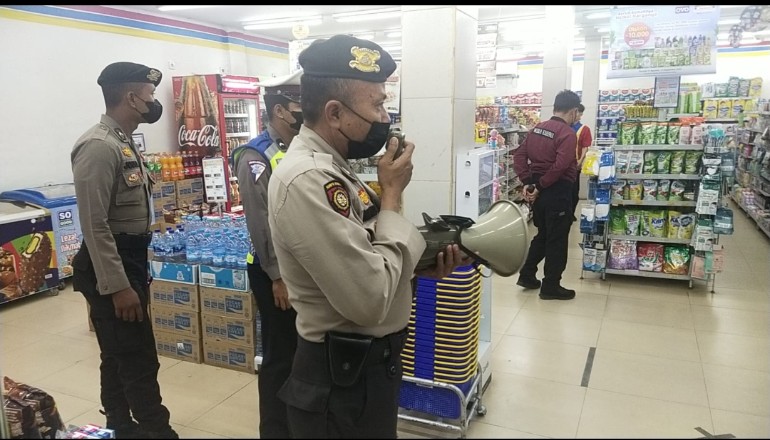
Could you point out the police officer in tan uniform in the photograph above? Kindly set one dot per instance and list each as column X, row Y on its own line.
column 346, row 256
column 113, row 193
column 254, row 163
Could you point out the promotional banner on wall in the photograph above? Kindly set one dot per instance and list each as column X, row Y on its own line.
column 663, row 41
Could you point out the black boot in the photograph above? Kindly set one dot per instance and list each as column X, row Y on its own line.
column 123, row 425
column 163, row 433
column 528, row 282
column 556, row 292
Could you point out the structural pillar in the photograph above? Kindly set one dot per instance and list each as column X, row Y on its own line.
column 590, row 99
column 438, row 99
column 557, row 59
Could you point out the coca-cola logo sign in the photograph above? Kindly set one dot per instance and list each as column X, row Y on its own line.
column 208, row 136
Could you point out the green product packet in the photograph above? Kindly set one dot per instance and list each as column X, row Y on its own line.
column 673, row 134
column 650, row 158
column 663, row 163
column 661, row 133
column 617, row 221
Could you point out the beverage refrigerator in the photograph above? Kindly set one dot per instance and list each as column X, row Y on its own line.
column 214, row 114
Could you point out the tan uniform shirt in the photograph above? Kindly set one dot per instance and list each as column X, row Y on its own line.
column 113, row 196
column 342, row 273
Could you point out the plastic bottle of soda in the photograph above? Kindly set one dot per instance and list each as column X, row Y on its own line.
column 185, row 165
column 165, row 166
column 198, row 165
column 179, row 166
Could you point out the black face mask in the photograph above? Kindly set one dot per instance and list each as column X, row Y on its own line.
column 374, row 141
column 154, row 110
column 299, row 120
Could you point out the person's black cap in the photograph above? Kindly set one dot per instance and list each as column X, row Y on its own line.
column 343, row 56
column 125, row 72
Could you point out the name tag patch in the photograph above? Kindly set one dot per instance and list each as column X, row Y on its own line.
column 543, row 132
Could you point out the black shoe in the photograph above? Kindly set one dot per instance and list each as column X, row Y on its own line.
column 130, row 430
column 165, row 433
column 557, row 292
column 528, row 282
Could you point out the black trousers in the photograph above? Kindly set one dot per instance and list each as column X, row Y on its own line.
column 279, row 342
column 553, row 218
column 129, row 367
column 576, row 195
column 319, row 408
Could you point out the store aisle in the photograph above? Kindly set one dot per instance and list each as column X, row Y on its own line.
column 666, row 359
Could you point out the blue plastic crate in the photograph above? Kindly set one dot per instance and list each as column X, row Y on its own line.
column 437, row 401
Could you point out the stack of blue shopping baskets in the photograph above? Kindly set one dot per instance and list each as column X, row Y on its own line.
column 442, row 343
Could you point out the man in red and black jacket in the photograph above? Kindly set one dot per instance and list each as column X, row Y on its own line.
column 546, row 164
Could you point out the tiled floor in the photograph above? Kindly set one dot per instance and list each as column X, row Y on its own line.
column 667, row 359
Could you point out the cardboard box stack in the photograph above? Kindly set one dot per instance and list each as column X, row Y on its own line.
column 175, row 310
column 228, row 318
column 170, row 197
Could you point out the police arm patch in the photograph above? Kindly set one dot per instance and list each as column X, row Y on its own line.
column 338, row 197
column 257, row 168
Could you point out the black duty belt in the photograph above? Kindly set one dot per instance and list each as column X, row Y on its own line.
column 132, row 241
column 380, row 350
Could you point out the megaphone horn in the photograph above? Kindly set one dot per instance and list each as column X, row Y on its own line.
column 499, row 239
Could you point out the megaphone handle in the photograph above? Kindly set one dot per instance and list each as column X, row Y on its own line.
column 476, row 265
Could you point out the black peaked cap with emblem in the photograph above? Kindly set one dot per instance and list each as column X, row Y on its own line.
column 343, row 56
column 125, row 72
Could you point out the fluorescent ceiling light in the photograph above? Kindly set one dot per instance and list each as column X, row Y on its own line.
column 603, row 29
column 723, row 36
column 364, row 36
column 729, row 21
column 395, row 34
column 277, row 23
column 733, row 6
column 596, row 15
column 180, row 8
column 372, row 14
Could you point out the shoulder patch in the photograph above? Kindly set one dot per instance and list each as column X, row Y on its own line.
column 338, row 197
column 257, row 168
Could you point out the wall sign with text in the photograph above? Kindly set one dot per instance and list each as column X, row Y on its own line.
column 663, row 41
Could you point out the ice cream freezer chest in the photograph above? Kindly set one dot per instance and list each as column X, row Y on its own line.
column 60, row 203
column 27, row 254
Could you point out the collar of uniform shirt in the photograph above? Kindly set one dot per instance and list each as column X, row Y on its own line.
column 556, row 118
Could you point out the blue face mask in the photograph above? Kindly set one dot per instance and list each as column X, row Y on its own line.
column 374, row 141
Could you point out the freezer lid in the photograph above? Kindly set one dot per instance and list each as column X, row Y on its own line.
column 13, row 212
column 50, row 196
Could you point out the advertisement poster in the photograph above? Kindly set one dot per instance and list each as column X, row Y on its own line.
column 666, row 92
column 663, row 41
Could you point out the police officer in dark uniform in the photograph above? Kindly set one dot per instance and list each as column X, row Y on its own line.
column 254, row 163
column 351, row 283
column 113, row 192
column 545, row 162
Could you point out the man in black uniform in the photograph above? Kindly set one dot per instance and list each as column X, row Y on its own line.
column 254, row 163
column 545, row 162
column 114, row 200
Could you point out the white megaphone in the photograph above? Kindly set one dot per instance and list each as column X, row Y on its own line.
column 499, row 239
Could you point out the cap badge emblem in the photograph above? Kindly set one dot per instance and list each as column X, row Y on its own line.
column 365, row 59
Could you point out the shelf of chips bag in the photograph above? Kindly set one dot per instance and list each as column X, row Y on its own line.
column 648, row 274
column 658, row 176
column 649, row 239
column 762, row 228
column 685, row 147
column 618, row 202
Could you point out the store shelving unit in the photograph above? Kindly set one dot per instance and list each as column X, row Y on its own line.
column 752, row 182
column 689, row 205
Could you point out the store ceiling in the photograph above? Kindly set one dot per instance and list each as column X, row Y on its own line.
column 233, row 18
